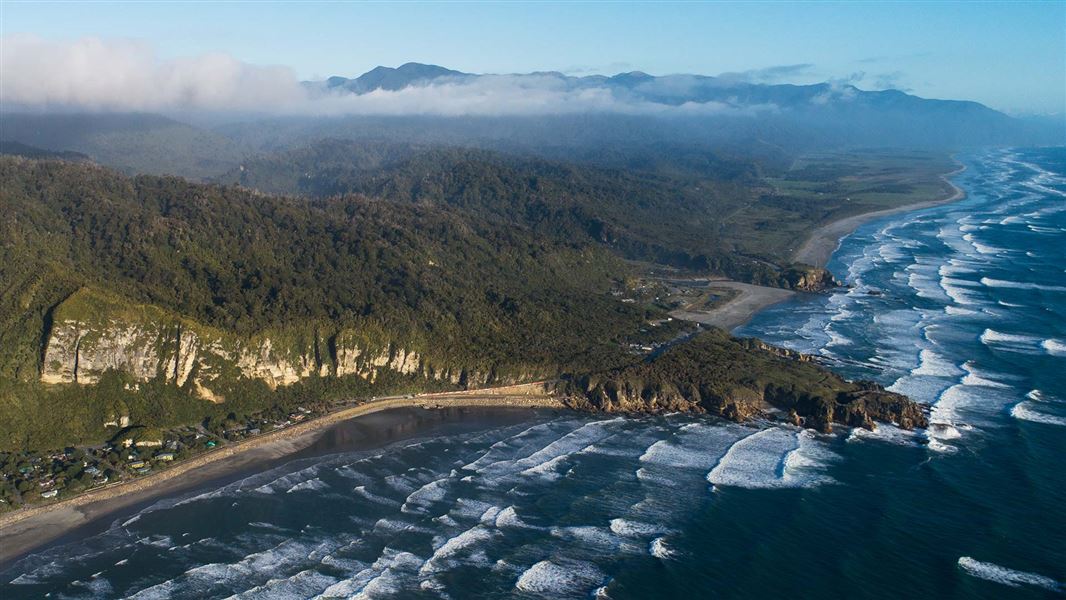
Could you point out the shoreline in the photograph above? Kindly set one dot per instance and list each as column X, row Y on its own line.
column 29, row 529
column 815, row 251
column 824, row 241
column 26, row 530
column 739, row 310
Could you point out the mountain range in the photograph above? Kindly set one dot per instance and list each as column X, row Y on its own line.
column 670, row 90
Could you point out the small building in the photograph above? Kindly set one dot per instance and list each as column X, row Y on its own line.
column 165, row 456
column 142, row 470
column 50, row 494
column 137, row 464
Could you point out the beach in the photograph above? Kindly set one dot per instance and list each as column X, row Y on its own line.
column 25, row 530
column 826, row 239
column 739, row 309
column 823, row 241
column 565, row 504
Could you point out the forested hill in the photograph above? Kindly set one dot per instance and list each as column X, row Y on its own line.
column 677, row 219
column 12, row 148
column 164, row 302
column 244, row 262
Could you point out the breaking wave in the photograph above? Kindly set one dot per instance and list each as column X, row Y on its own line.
column 1003, row 575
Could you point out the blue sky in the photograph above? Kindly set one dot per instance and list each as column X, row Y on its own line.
column 1011, row 56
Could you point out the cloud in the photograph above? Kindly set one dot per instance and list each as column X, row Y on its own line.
column 774, row 74
column 840, row 89
column 890, row 81
column 92, row 73
column 125, row 75
column 502, row 95
column 608, row 69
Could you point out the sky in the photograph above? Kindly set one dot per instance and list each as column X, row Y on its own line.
column 1010, row 56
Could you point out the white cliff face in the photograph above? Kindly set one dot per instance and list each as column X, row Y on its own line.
column 348, row 360
column 405, row 362
column 185, row 358
column 261, row 361
column 80, row 352
column 61, row 354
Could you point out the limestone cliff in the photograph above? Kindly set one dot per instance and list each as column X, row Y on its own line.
column 92, row 333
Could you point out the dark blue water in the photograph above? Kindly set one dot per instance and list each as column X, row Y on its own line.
column 968, row 312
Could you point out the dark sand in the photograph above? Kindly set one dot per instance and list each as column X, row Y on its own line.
column 66, row 522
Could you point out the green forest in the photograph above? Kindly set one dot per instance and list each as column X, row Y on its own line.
column 466, row 289
column 500, row 264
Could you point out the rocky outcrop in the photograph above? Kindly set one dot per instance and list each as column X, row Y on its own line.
column 810, row 279
column 741, row 379
column 864, row 406
column 92, row 334
column 776, row 350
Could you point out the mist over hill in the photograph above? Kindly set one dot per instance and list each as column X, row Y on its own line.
column 637, row 107
column 621, row 120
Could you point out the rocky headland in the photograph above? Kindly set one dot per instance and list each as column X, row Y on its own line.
column 741, row 379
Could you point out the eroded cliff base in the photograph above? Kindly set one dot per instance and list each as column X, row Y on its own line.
column 741, row 379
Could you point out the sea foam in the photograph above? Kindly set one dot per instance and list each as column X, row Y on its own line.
column 556, row 578
column 777, row 457
column 1009, row 577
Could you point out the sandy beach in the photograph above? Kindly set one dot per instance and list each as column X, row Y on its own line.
column 815, row 251
column 740, row 309
column 24, row 530
column 826, row 239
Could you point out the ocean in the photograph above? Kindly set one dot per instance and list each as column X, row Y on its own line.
column 962, row 306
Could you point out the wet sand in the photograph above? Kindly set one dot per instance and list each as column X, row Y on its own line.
column 366, row 426
column 824, row 241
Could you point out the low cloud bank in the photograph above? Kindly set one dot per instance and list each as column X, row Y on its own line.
column 125, row 75
column 96, row 74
